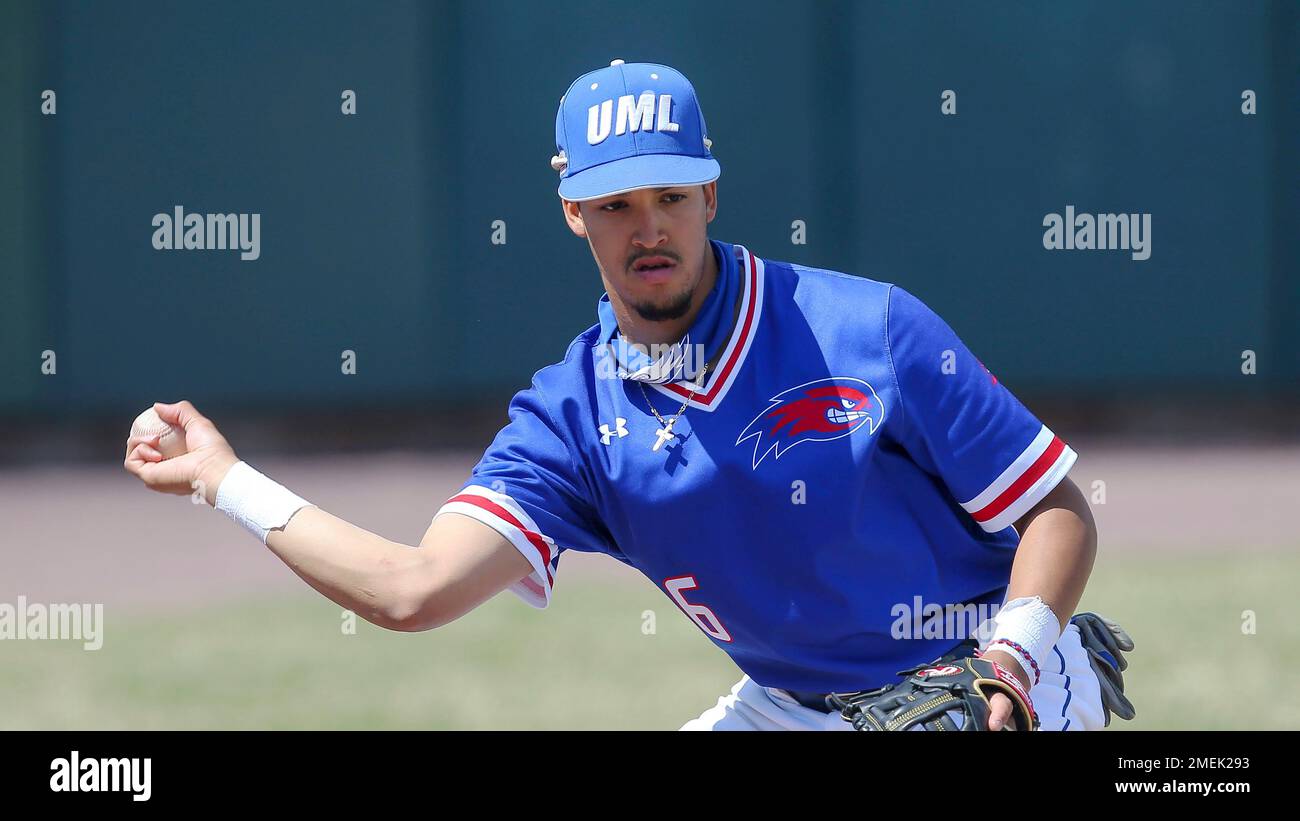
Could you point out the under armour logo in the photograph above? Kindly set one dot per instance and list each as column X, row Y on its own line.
column 620, row 428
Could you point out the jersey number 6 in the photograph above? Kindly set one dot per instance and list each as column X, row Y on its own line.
column 699, row 614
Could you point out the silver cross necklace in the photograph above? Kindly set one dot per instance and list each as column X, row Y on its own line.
column 665, row 433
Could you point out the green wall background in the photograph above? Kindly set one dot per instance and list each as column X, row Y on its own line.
column 376, row 228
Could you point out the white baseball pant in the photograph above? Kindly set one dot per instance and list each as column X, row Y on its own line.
column 1066, row 697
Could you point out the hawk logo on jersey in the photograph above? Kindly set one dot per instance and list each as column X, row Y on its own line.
column 817, row 411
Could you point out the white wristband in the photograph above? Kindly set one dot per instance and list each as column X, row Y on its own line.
column 1027, row 629
column 259, row 504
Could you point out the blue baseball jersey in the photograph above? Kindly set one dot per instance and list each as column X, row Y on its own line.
column 846, row 455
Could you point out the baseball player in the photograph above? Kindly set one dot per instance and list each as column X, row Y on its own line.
column 797, row 458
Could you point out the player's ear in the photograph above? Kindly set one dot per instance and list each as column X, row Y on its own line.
column 710, row 191
column 573, row 216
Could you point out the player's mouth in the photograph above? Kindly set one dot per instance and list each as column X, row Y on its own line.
column 654, row 269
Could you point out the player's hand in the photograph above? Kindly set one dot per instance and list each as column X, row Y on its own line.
column 205, row 463
column 1000, row 712
column 1000, row 707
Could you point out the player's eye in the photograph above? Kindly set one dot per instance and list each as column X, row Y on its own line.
column 616, row 205
column 674, row 197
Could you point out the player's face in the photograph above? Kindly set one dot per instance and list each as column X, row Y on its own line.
column 650, row 245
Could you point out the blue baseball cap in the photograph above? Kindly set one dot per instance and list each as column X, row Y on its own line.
column 630, row 126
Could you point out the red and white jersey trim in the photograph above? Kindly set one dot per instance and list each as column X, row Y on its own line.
column 504, row 515
column 1030, row 477
column 718, row 381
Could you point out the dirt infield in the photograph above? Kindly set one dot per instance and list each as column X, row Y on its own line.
column 92, row 533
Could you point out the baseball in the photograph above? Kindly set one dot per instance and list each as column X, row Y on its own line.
column 171, row 441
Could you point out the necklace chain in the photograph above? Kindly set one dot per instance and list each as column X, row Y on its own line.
column 666, row 432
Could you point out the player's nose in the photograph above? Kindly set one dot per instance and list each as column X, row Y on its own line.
column 649, row 231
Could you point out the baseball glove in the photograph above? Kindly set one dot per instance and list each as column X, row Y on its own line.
column 1104, row 639
column 952, row 692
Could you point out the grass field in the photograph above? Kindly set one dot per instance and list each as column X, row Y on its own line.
column 587, row 662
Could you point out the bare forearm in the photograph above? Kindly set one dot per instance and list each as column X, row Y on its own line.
column 1058, row 545
column 353, row 567
column 459, row 564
